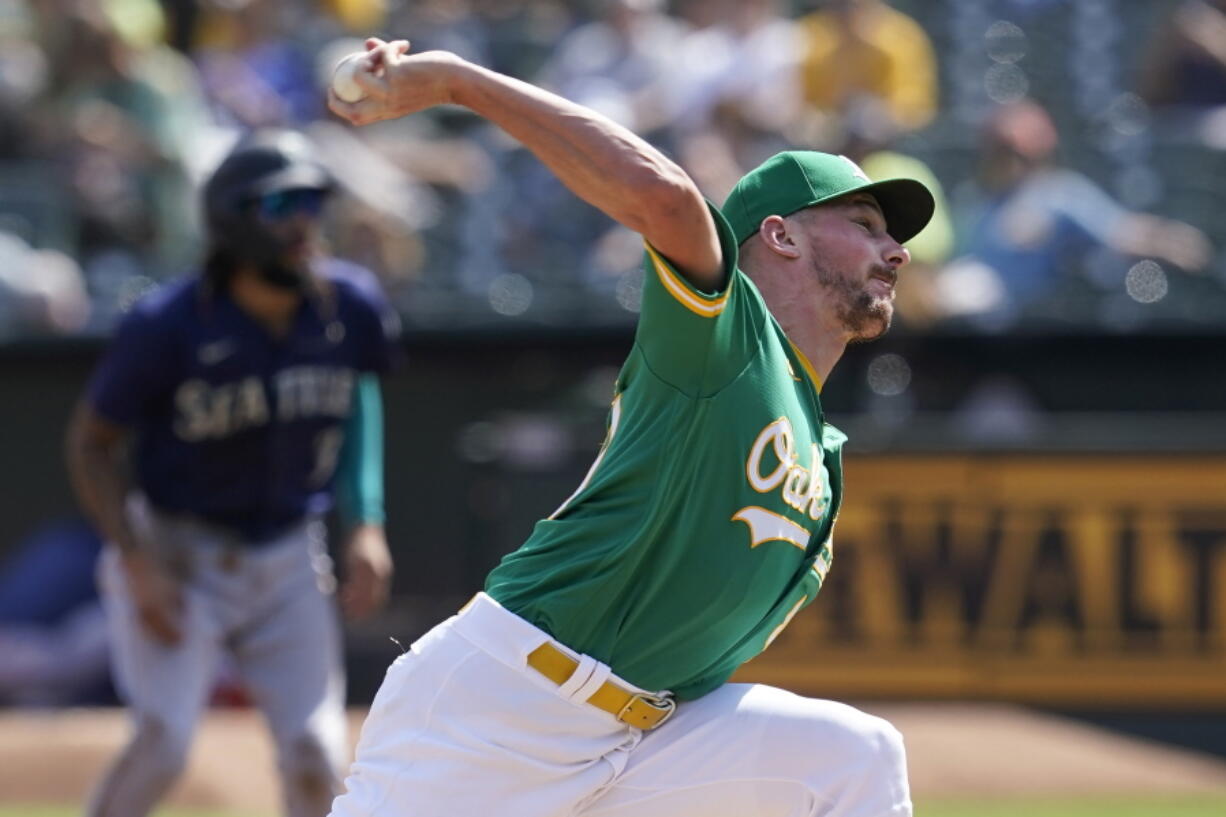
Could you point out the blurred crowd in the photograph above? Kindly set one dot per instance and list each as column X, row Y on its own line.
column 1075, row 146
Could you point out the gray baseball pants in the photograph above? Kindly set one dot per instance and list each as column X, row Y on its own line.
column 270, row 610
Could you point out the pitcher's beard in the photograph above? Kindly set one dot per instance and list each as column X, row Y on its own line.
column 864, row 315
column 869, row 319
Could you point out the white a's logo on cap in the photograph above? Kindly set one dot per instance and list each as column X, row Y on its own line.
column 855, row 169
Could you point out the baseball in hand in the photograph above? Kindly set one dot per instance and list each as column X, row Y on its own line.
column 344, row 85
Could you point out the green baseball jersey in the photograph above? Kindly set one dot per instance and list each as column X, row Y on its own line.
column 704, row 524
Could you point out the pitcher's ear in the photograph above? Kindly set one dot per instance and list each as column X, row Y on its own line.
column 779, row 236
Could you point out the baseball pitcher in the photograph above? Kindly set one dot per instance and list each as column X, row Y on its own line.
column 590, row 677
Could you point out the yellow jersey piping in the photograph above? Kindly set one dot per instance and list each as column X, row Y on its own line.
column 698, row 304
column 807, row 366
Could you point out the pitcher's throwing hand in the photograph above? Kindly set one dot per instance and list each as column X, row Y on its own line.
column 396, row 82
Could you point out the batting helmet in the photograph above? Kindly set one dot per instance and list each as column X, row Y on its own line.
column 268, row 161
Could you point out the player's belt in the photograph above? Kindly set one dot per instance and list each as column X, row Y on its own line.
column 638, row 709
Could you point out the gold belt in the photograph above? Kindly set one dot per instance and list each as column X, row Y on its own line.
column 638, row 709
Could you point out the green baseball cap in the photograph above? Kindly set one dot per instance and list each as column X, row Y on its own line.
column 796, row 179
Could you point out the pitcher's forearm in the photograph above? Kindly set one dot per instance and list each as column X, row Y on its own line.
column 601, row 162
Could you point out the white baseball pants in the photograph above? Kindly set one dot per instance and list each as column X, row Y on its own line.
column 270, row 609
column 462, row 726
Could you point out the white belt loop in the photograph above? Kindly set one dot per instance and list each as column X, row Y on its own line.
column 585, row 680
column 600, row 674
column 578, row 678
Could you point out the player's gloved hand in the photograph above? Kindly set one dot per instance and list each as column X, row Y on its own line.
column 368, row 572
column 397, row 84
column 157, row 596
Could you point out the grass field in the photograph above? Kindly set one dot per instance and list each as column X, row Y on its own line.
column 1037, row 807
column 1076, row 807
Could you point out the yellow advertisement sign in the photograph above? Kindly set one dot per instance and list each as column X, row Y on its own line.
column 1072, row 580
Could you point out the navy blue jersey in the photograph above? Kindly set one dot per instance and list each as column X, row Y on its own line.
column 231, row 424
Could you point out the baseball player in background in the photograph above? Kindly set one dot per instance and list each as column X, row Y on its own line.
column 590, row 677
column 228, row 412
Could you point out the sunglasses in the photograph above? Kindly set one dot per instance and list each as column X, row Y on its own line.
column 285, row 203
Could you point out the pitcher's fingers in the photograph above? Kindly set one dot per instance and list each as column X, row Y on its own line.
column 345, row 110
column 349, row 111
column 397, row 47
column 385, row 53
column 338, row 106
column 362, row 112
column 375, row 85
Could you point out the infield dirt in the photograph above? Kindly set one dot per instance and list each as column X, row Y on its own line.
column 953, row 750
